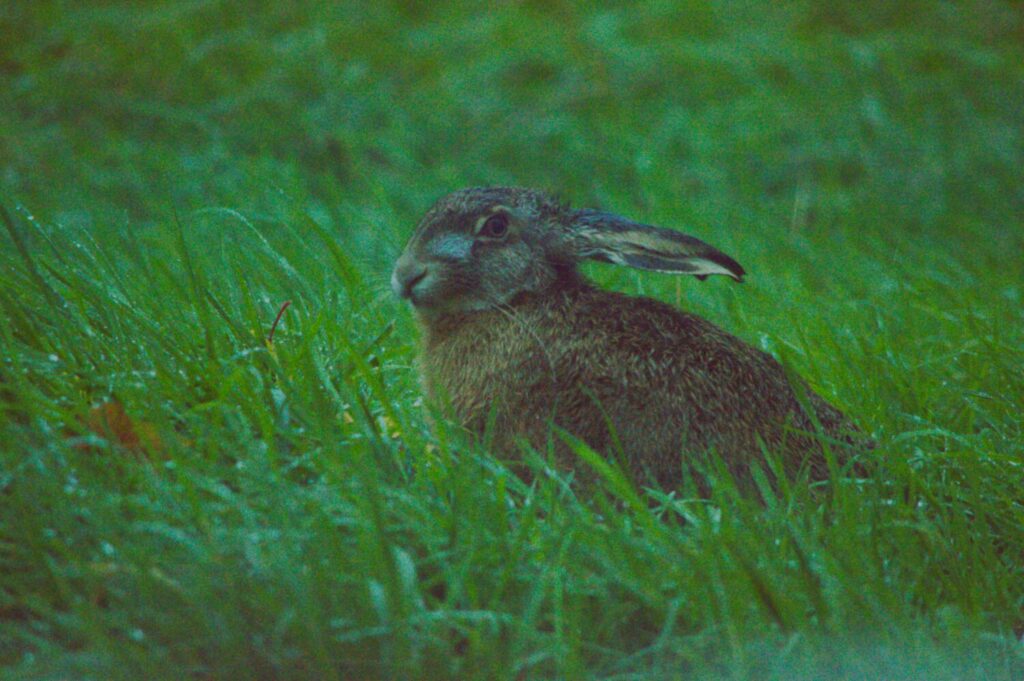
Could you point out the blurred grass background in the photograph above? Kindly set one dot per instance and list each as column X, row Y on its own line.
column 172, row 172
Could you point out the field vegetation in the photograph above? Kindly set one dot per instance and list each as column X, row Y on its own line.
column 180, row 498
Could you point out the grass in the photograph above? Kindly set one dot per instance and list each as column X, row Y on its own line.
column 172, row 173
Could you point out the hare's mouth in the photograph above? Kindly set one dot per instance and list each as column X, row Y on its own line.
column 419, row 285
column 432, row 289
column 416, row 282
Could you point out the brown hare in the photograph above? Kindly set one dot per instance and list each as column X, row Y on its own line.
column 515, row 339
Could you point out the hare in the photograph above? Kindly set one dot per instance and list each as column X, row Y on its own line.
column 515, row 340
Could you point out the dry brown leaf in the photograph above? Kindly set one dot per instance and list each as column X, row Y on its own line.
column 109, row 420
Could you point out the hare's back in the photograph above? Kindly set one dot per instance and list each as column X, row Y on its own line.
column 669, row 375
column 647, row 340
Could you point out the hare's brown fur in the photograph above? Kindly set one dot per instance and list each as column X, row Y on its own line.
column 606, row 366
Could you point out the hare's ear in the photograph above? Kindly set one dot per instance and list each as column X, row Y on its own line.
column 610, row 238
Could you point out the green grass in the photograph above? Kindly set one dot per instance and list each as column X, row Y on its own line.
column 172, row 172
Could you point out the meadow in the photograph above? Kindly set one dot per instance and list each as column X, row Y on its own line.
column 182, row 498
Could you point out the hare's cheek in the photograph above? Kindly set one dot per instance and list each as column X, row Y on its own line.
column 460, row 284
column 451, row 248
column 487, row 249
column 481, row 250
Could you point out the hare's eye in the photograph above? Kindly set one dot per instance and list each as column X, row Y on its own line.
column 495, row 227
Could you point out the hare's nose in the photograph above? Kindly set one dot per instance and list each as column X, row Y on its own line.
column 405, row 277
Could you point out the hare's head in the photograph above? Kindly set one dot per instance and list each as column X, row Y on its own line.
column 482, row 247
